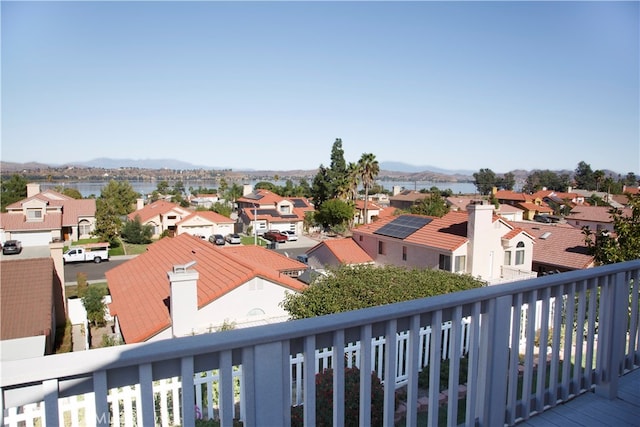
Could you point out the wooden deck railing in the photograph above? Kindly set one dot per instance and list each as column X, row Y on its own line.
column 523, row 348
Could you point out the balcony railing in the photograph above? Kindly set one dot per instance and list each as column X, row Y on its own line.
column 512, row 351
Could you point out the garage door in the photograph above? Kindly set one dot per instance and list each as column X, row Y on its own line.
column 33, row 238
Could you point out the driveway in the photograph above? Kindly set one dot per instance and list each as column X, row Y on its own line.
column 29, row 252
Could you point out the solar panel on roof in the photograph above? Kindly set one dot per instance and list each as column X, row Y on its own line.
column 253, row 196
column 299, row 203
column 403, row 226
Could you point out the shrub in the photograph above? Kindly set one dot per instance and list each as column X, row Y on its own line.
column 324, row 400
column 423, row 376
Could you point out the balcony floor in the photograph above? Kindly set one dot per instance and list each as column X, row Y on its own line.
column 590, row 409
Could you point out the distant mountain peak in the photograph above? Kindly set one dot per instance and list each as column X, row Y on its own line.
column 405, row 167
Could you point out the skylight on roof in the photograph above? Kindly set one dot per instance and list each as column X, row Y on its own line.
column 545, row 235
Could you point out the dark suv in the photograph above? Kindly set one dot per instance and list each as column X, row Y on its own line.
column 11, row 247
column 275, row 236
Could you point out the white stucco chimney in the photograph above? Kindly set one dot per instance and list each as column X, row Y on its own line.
column 479, row 233
column 139, row 204
column 33, row 188
column 56, row 249
column 247, row 189
column 184, row 299
column 395, row 190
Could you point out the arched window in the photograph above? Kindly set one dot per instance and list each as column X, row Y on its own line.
column 256, row 312
column 520, row 253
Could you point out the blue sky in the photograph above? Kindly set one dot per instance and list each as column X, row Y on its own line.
column 499, row 85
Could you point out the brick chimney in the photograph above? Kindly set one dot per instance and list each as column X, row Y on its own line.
column 184, row 299
column 33, row 188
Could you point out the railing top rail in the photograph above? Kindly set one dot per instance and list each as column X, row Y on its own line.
column 68, row 365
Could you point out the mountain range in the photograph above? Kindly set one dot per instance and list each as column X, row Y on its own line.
column 108, row 163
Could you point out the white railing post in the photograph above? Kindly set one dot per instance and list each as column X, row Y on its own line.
column 492, row 378
column 269, row 397
column 612, row 331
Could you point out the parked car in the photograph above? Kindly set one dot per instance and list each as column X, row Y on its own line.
column 12, row 247
column 542, row 218
column 291, row 236
column 275, row 236
column 233, row 238
column 217, row 239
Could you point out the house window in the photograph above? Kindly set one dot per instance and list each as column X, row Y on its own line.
column 360, row 238
column 404, row 253
column 84, row 228
column 507, row 258
column 444, row 262
column 171, row 217
column 34, row 214
column 520, row 253
column 380, row 247
column 461, row 264
column 285, row 209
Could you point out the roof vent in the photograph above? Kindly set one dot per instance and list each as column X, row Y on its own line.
column 545, row 235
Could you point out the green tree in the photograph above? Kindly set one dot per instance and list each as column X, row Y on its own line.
column 506, row 182
column 265, row 185
column 624, row 243
column 334, row 212
column 163, row 187
column 222, row 209
column 136, row 233
column 351, row 288
column 116, row 200
column 484, row 180
column 68, row 191
column 539, row 179
column 369, row 168
column 233, row 193
column 321, row 188
column 13, row 189
column 94, row 304
column 303, row 189
column 583, row 177
column 433, row 205
column 631, row 180
column 598, row 177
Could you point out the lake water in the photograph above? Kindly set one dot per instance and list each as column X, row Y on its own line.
column 147, row 187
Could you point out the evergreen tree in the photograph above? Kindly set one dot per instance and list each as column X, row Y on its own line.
column 116, row 200
column 136, row 233
column 13, row 190
column 433, row 205
column 322, row 189
column 584, row 178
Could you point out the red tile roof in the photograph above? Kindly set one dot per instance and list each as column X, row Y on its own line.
column 536, row 208
column 448, row 232
column 512, row 195
column 151, row 210
column 259, row 257
column 594, row 213
column 564, row 247
column 262, row 198
column 346, row 251
column 72, row 209
column 26, row 297
column 14, row 221
column 210, row 216
column 140, row 287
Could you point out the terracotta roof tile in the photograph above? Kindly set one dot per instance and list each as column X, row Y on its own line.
column 594, row 213
column 346, row 251
column 13, row 221
column 512, row 195
column 258, row 257
column 563, row 247
column 26, row 297
column 140, row 288
column 210, row 216
column 159, row 207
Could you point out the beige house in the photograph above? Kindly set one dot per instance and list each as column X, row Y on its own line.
column 475, row 242
column 204, row 224
column 161, row 215
column 263, row 210
column 47, row 216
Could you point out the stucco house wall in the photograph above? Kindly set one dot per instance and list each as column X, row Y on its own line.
column 255, row 302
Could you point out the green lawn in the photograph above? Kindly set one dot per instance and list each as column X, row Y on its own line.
column 250, row 240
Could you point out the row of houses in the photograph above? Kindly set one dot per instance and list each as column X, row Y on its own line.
column 185, row 285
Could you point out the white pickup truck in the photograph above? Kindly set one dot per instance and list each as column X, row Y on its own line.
column 96, row 253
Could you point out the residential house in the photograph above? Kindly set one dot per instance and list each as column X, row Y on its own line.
column 558, row 248
column 373, row 212
column 48, row 216
column 204, row 200
column 596, row 218
column 184, row 285
column 31, row 307
column 475, row 242
column 459, row 203
column 404, row 199
column 161, row 215
column 337, row 252
column 509, row 212
column 203, row 224
column 531, row 205
column 263, row 210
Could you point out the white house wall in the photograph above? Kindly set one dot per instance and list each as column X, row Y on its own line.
column 235, row 306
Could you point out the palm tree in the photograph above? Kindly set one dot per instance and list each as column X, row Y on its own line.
column 369, row 169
